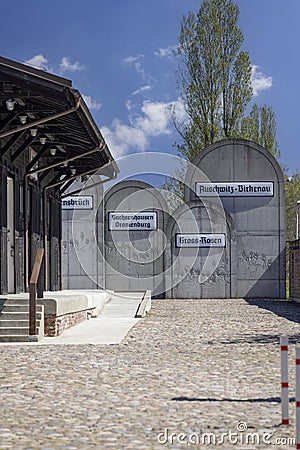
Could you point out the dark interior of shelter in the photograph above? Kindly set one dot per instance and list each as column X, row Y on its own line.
column 48, row 139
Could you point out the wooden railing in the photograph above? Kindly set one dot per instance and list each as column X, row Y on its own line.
column 33, row 290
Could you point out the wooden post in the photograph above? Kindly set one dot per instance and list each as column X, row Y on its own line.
column 33, row 290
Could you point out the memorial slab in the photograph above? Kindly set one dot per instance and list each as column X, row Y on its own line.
column 82, row 230
column 249, row 182
column 134, row 238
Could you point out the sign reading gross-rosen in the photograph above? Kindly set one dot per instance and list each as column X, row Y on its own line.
column 236, row 189
column 200, row 240
column 146, row 220
column 77, row 202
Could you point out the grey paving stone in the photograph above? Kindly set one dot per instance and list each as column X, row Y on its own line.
column 190, row 367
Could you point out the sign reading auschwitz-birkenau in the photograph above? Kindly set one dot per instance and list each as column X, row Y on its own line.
column 200, row 240
column 132, row 221
column 236, row 189
column 78, row 202
column 245, row 181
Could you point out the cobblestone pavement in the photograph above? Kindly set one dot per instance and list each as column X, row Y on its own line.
column 191, row 367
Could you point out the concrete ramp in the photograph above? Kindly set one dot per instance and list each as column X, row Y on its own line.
column 128, row 305
column 118, row 316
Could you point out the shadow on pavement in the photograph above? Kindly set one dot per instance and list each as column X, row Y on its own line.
column 231, row 400
column 261, row 339
column 284, row 308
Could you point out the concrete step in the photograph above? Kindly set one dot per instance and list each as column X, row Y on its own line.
column 14, row 320
column 13, row 331
column 18, row 308
column 14, row 301
column 15, row 323
column 19, row 338
column 17, row 315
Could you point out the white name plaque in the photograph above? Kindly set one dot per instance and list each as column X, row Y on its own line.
column 78, row 202
column 200, row 240
column 236, row 189
column 146, row 220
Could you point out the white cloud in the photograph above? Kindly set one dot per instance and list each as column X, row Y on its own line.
column 166, row 52
column 135, row 62
column 260, row 82
column 142, row 89
column 91, row 103
column 39, row 62
column 179, row 109
column 129, row 105
column 120, row 138
column 67, row 65
column 132, row 59
column 153, row 120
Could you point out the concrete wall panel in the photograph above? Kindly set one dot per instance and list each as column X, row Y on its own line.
column 82, row 242
column 134, row 258
column 257, row 259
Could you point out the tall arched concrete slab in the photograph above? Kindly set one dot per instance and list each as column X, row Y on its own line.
column 249, row 182
column 82, row 237
column 198, row 256
column 134, row 238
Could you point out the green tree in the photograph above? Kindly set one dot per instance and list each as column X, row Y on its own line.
column 292, row 195
column 215, row 86
column 260, row 126
column 215, row 74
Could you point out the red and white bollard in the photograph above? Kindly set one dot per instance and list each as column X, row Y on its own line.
column 284, row 345
column 298, row 396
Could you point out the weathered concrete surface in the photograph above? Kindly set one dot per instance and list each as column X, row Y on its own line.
column 256, row 225
column 82, row 240
column 67, row 301
column 190, row 366
column 110, row 327
column 134, row 258
column 197, row 272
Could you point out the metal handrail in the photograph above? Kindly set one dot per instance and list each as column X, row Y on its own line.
column 33, row 290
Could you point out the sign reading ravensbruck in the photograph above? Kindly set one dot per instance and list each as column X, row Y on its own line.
column 236, row 189
column 145, row 220
column 78, row 202
column 200, row 240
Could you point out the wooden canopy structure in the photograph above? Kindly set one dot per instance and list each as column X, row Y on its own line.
column 48, row 139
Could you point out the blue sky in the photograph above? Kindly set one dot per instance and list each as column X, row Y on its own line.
column 118, row 53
